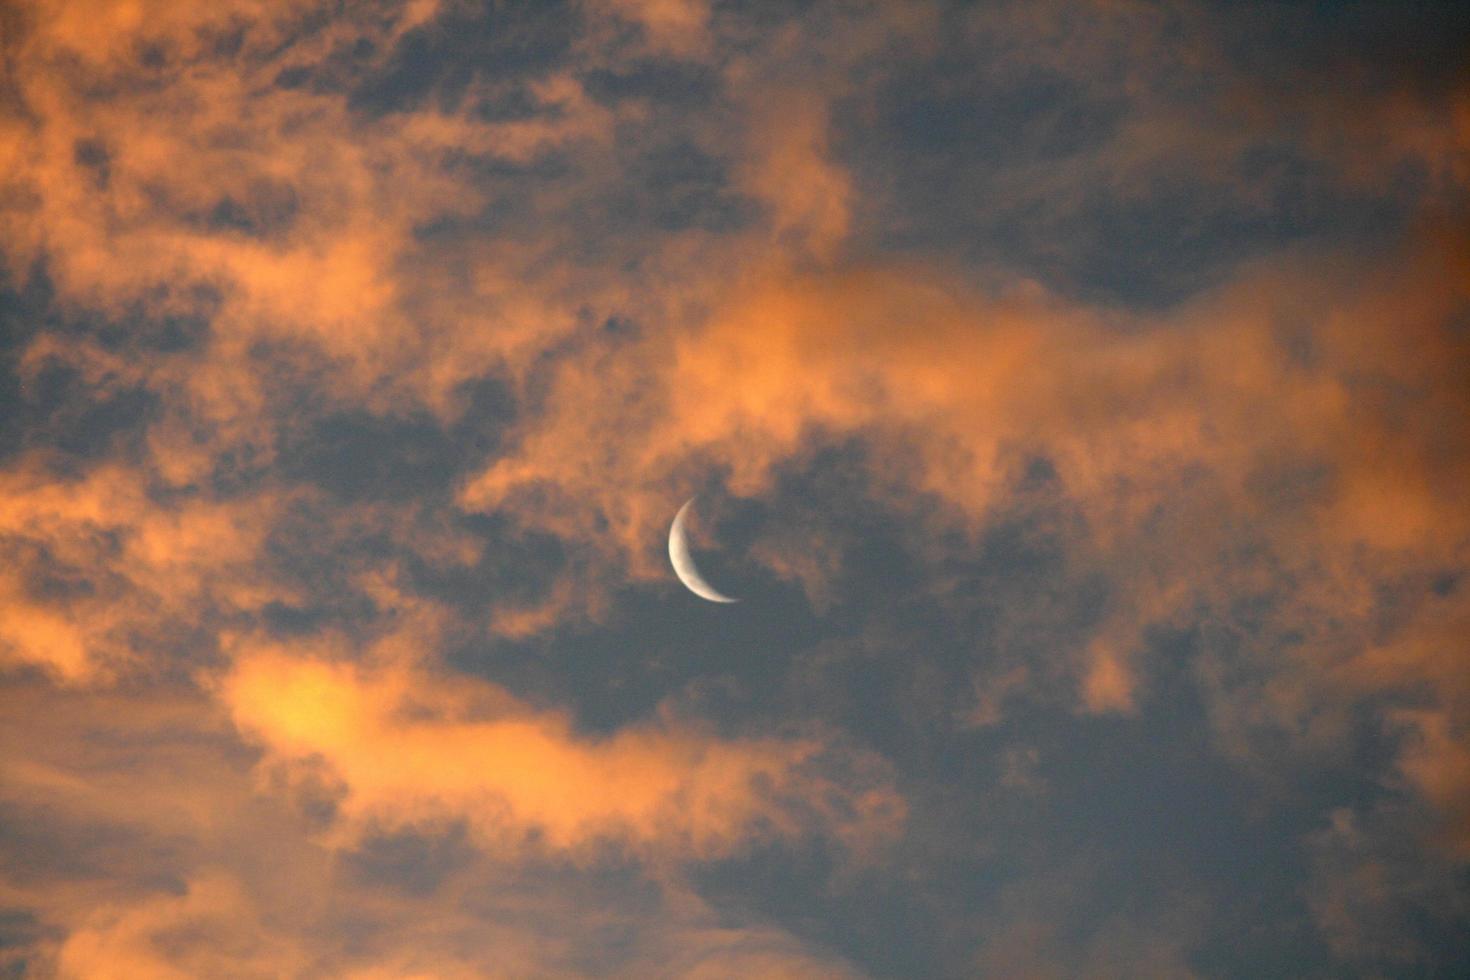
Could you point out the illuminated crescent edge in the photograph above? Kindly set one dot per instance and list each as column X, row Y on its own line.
column 683, row 561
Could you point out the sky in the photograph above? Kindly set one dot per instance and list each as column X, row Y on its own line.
column 1076, row 395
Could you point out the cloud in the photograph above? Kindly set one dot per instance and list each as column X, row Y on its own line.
column 202, row 187
column 1253, row 446
column 969, row 385
column 410, row 748
column 794, row 174
column 1111, row 358
column 1375, row 903
column 211, row 928
column 678, row 28
column 1437, row 763
column 97, row 566
column 142, row 834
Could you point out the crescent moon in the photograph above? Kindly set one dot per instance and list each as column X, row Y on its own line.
column 683, row 561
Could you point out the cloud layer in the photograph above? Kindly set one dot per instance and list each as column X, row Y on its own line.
column 1078, row 394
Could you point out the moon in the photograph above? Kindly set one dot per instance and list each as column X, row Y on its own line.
column 683, row 561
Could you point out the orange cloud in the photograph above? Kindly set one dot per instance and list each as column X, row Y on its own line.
column 123, row 565
column 154, row 849
column 1261, row 441
column 199, row 187
column 409, row 748
column 1437, row 762
column 209, row 930
column 792, row 172
column 674, row 27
